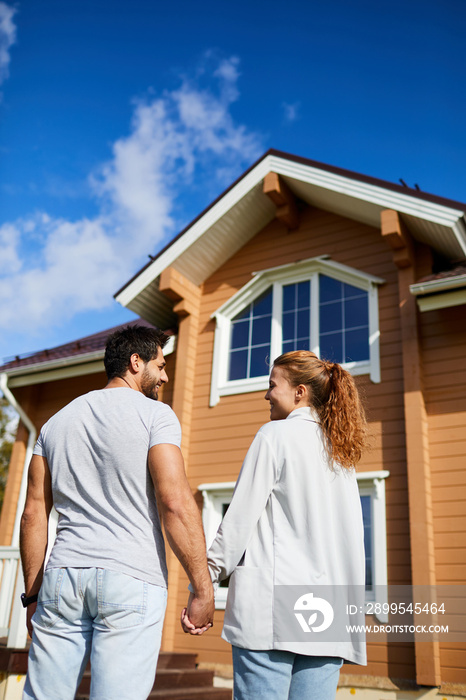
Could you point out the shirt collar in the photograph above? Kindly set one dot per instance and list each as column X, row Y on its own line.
column 306, row 412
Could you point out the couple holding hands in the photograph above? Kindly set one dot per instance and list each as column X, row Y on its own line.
column 111, row 465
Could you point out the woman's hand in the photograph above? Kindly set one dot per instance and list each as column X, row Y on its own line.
column 201, row 610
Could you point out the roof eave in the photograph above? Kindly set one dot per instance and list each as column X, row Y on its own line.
column 54, row 364
column 437, row 286
column 64, row 367
column 445, row 213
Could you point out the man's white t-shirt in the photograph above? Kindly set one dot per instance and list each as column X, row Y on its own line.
column 97, row 449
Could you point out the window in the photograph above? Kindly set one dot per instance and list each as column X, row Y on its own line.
column 366, row 504
column 316, row 305
column 250, row 339
column 216, row 498
column 343, row 321
column 372, row 492
column 296, row 316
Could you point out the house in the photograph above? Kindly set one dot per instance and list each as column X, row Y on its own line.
column 368, row 273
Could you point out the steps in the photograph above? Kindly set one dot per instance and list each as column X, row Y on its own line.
column 192, row 694
column 177, row 678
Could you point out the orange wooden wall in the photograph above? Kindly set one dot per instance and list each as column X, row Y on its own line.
column 443, row 335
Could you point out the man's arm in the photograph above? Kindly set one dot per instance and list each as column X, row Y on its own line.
column 183, row 527
column 34, row 528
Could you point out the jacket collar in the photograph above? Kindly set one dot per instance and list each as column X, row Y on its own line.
column 306, row 413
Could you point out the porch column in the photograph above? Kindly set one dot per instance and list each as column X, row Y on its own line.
column 15, row 472
column 421, row 530
column 188, row 297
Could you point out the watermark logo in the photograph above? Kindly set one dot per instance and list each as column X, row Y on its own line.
column 312, row 606
column 314, row 614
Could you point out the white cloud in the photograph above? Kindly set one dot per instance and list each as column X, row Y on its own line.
column 68, row 277
column 52, row 269
column 185, row 130
column 7, row 37
column 291, row 111
column 9, row 242
column 228, row 71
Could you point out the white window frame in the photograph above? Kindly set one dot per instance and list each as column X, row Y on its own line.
column 370, row 484
column 214, row 496
column 276, row 278
column 373, row 484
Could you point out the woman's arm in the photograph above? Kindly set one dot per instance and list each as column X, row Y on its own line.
column 253, row 488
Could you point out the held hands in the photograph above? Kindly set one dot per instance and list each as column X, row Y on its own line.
column 197, row 617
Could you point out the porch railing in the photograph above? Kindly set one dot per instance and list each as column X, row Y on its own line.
column 12, row 613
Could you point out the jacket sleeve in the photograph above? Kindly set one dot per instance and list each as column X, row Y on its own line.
column 253, row 488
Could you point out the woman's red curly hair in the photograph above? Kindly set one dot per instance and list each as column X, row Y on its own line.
column 334, row 396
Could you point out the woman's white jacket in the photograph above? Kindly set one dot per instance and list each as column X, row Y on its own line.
column 293, row 520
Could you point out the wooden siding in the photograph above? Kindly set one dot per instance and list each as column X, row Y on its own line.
column 222, row 434
column 166, row 390
column 13, row 486
column 443, row 334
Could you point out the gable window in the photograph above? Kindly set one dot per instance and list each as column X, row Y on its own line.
column 250, row 339
column 316, row 305
column 343, row 321
column 296, row 316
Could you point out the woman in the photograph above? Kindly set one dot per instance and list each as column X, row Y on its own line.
column 295, row 519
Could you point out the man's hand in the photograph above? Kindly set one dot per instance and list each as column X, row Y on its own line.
column 197, row 618
column 31, row 609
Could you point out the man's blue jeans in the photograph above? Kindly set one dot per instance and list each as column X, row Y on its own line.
column 109, row 618
column 282, row 675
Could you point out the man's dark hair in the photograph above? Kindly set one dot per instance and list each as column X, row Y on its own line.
column 129, row 340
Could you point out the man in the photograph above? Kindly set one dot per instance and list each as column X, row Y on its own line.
column 110, row 463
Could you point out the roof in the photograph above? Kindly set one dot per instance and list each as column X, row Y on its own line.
column 455, row 272
column 83, row 356
column 83, row 346
column 242, row 211
column 444, row 281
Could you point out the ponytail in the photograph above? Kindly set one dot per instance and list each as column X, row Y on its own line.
column 334, row 396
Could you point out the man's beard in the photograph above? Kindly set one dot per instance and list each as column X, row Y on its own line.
column 149, row 386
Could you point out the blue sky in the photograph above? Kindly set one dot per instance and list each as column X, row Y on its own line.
column 120, row 122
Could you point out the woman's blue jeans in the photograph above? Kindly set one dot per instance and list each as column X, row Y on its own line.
column 109, row 618
column 283, row 675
